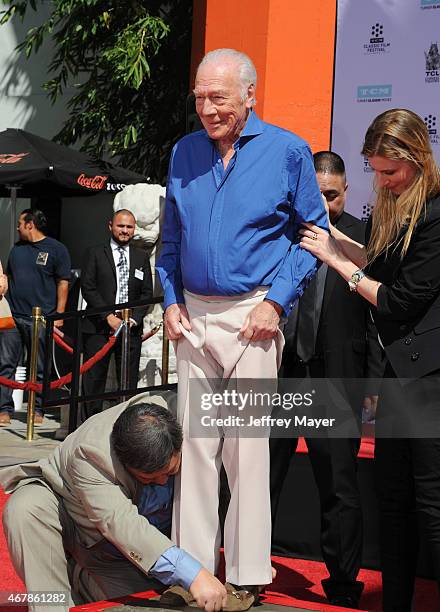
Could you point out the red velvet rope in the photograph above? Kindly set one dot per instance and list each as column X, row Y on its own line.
column 61, row 343
column 64, row 380
column 58, row 339
column 38, row 387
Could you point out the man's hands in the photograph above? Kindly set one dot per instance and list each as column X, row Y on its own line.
column 262, row 322
column 208, row 592
column 113, row 321
column 175, row 314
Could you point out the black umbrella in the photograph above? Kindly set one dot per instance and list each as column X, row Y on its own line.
column 31, row 166
column 37, row 166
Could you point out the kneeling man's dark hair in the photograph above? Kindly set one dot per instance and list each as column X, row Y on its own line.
column 145, row 436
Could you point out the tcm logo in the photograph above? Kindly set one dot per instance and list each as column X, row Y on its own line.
column 367, row 209
column 92, row 182
column 432, row 64
column 376, row 33
column 429, row 4
column 367, row 168
column 376, row 42
column 11, row 158
column 431, row 124
column 374, row 93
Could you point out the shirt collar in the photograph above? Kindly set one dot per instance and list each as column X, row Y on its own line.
column 253, row 127
column 115, row 246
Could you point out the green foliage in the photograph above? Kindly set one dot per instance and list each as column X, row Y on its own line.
column 128, row 64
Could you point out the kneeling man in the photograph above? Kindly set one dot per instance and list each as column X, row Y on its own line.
column 92, row 520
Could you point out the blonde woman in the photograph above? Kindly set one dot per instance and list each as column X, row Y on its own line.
column 399, row 274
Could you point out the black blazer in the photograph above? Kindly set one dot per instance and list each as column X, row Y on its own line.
column 346, row 336
column 99, row 285
column 408, row 302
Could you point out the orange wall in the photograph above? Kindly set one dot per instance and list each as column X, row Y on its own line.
column 292, row 45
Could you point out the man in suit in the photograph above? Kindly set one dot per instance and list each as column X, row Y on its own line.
column 113, row 273
column 92, row 520
column 331, row 335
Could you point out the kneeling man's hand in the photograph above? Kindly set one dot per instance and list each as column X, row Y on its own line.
column 208, row 592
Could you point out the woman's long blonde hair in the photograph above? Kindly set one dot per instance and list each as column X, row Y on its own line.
column 400, row 134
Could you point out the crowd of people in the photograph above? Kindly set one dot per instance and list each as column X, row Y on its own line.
column 261, row 269
column 39, row 271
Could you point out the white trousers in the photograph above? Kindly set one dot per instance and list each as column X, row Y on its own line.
column 214, row 349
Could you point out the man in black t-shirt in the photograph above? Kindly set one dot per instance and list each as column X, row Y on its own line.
column 38, row 273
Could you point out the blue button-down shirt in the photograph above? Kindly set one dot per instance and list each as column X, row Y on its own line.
column 227, row 232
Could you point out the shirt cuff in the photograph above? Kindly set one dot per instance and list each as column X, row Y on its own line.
column 281, row 293
column 172, row 296
column 175, row 566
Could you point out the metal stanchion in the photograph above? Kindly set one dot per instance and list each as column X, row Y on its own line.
column 76, row 376
column 36, row 320
column 165, row 356
column 125, row 354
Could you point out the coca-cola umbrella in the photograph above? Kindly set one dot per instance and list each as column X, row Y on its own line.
column 32, row 166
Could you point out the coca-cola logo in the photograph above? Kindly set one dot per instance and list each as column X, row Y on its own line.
column 11, row 158
column 92, row 182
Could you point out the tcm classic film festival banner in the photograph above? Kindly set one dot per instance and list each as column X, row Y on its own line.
column 387, row 56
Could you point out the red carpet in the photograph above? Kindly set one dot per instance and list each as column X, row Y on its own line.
column 9, row 580
column 298, row 583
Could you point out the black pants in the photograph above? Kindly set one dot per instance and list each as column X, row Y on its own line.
column 334, row 465
column 94, row 380
column 334, row 469
column 408, row 487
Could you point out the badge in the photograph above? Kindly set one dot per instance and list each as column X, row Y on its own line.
column 139, row 274
column 42, row 258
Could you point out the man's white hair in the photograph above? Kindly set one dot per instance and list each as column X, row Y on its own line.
column 246, row 68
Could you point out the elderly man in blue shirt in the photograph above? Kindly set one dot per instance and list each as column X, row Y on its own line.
column 231, row 267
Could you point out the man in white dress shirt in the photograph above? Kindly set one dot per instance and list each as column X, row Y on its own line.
column 113, row 273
